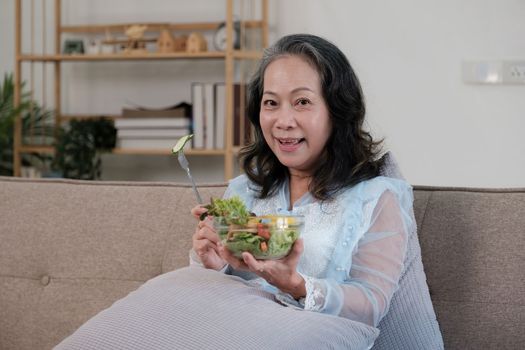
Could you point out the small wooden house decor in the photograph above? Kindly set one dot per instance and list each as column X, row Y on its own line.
column 165, row 42
column 196, row 43
column 180, row 43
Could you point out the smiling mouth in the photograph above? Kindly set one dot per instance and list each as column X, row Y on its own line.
column 290, row 142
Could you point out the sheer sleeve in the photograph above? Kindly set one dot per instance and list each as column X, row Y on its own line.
column 377, row 263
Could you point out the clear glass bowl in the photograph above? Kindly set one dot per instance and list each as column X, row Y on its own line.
column 265, row 237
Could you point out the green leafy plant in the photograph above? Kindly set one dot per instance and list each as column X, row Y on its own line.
column 78, row 148
column 36, row 125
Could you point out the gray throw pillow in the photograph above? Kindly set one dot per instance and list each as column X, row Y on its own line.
column 410, row 322
column 195, row 308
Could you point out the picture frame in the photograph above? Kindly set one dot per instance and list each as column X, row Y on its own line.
column 73, row 46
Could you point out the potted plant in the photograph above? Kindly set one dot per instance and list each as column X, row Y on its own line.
column 78, row 148
column 36, row 125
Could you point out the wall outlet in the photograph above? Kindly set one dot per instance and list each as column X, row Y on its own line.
column 493, row 72
column 514, row 72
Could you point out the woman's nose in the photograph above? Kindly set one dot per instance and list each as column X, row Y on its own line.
column 286, row 119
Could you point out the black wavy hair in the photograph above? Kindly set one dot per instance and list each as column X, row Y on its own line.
column 351, row 153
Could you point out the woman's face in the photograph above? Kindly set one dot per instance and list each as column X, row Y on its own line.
column 294, row 117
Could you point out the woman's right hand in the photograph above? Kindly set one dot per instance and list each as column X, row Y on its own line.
column 205, row 241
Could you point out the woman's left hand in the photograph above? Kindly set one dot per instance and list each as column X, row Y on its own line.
column 280, row 273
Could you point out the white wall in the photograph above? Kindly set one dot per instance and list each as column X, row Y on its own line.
column 407, row 54
column 7, row 37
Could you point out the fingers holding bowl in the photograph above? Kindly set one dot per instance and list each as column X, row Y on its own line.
column 205, row 237
column 205, row 229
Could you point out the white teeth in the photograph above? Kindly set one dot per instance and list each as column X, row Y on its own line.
column 289, row 141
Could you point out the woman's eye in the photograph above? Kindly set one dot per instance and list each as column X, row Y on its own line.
column 303, row 102
column 269, row 103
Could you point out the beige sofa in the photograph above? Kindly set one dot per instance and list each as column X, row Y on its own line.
column 69, row 249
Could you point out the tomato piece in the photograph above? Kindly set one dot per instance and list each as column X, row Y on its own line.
column 264, row 233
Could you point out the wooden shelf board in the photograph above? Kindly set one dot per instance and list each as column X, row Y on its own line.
column 190, row 152
column 121, row 27
column 124, row 57
column 37, row 149
column 239, row 54
column 130, row 151
column 153, row 27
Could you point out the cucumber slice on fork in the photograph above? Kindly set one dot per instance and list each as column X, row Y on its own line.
column 181, row 143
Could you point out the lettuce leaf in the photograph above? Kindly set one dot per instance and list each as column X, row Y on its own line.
column 231, row 210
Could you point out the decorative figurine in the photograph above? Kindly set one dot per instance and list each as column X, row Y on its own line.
column 165, row 42
column 196, row 43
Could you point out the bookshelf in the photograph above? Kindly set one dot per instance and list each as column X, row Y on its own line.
column 231, row 57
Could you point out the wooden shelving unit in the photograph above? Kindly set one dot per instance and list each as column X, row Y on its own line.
column 230, row 56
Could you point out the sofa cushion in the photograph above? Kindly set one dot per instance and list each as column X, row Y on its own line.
column 196, row 308
column 473, row 243
column 410, row 322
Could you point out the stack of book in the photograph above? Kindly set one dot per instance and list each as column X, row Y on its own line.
column 147, row 128
column 209, row 115
column 208, row 101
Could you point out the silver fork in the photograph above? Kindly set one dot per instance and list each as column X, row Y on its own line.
column 186, row 166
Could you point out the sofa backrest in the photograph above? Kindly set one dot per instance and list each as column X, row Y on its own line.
column 69, row 249
column 473, row 244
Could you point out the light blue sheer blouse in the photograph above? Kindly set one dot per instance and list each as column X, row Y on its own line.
column 354, row 245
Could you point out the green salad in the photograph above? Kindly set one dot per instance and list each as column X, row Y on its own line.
column 265, row 237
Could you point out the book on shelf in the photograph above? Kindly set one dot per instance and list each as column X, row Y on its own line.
column 197, row 101
column 241, row 124
column 150, row 138
column 180, row 110
column 220, row 115
column 164, row 143
column 209, row 115
column 152, row 132
column 145, row 123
